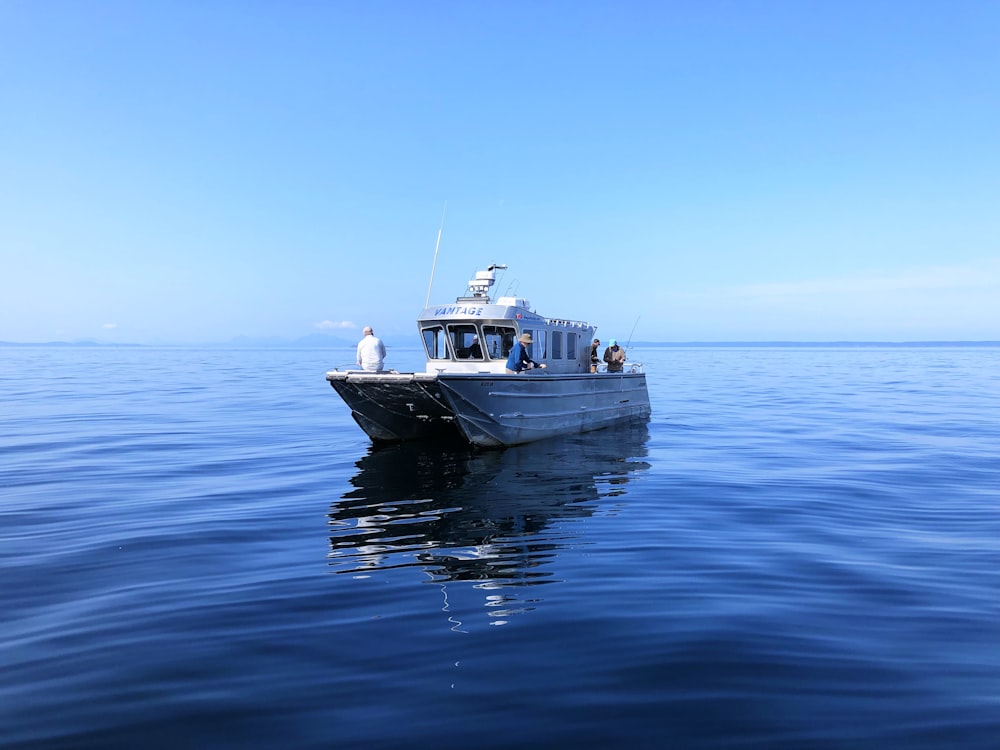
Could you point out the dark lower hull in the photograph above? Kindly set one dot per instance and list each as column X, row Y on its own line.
column 395, row 407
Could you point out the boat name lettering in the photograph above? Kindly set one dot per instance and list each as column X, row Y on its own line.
column 458, row 310
column 486, row 384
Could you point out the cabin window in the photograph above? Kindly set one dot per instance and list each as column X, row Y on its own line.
column 540, row 345
column 465, row 341
column 570, row 346
column 499, row 341
column 435, row 342
column 557, row 342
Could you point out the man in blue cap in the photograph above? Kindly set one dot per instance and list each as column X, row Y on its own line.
column 614, row 355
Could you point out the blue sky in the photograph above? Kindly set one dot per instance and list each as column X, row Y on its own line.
column 184, row 172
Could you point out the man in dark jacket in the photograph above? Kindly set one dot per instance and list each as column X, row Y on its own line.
column 519, row 361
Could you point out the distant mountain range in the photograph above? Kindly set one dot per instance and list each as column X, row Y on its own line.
column 80, row 342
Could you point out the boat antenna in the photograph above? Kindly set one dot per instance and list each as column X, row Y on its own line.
column 434, row 264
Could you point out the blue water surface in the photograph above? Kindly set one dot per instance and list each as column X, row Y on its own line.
column 801, row 549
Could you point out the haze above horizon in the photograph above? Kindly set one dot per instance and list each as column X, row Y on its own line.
column 715, row 171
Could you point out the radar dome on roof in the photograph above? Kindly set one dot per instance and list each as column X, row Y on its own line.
column 480, row 285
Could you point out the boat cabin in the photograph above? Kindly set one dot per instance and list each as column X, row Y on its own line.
column 476, row 333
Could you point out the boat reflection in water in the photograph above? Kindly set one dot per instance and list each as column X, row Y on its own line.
column 493, row 520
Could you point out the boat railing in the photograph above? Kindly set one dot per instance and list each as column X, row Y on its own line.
column 353, row 368
column 567, row 323
column 631, row 368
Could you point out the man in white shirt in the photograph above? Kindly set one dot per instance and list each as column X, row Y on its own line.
column 371, row 351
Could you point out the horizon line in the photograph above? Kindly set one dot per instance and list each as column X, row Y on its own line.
column 278, row 342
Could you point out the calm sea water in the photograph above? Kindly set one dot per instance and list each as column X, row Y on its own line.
column 801, row 549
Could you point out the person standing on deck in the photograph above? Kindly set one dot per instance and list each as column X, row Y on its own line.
column 371, row 351
column 518, row 361
column 594, row 359
column 614, row 355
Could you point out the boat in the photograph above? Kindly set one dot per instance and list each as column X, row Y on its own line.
column 466, row 392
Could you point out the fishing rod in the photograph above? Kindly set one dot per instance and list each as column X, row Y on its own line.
column 630, row 334
column 434, row 265
column 628, row 345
